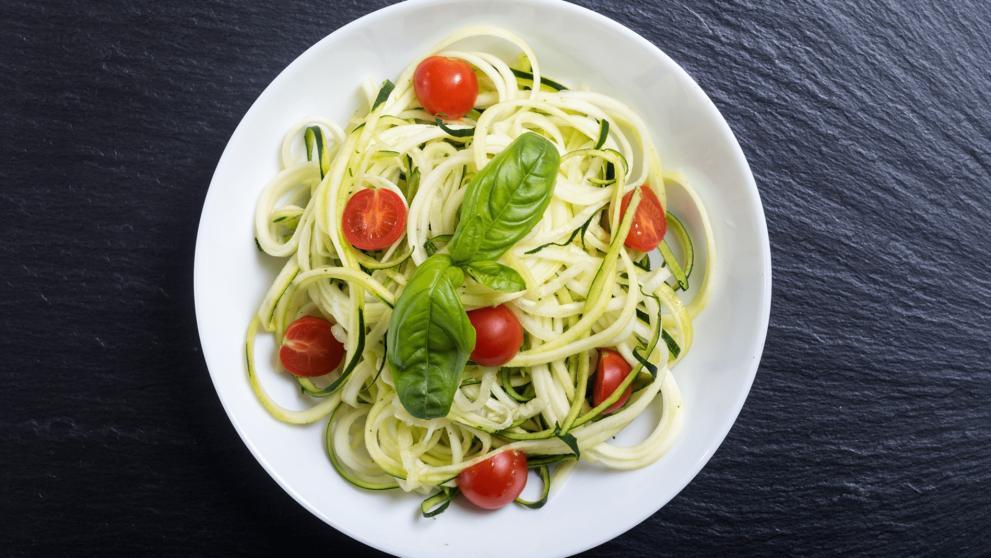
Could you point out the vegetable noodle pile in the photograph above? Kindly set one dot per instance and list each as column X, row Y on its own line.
column 523, row 202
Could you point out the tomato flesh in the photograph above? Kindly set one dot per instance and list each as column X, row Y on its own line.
column 612, row 369
column 495, row 482
column 446, row 87
column 498, row 335
column 374, row 218
column 649, row 223
column 309, row 348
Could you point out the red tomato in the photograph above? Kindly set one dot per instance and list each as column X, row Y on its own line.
column 446, row 87
column 611, row 372
column 309, row 348
column 495, row 482
column 498, row 335
column 374, row 218
column 649, row 223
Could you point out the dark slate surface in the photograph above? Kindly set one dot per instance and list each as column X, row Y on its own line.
column 867, row 125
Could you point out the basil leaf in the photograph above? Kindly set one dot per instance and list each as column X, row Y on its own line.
column 468, row 236
column 429, row 339
column 505, row 199
column 496, row 276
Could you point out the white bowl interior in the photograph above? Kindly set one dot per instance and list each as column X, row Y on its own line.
column 585, row 49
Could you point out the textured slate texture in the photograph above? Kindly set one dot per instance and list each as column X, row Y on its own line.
column 868, row 127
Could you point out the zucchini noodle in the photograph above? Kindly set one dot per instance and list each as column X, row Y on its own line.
column 585, row 289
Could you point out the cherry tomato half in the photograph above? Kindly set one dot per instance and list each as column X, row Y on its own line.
column 498, row 335
column 374, row 218
column 309, row 348
column 495, row 482
column 611, row 371
column 446, row 87
column 649, row 223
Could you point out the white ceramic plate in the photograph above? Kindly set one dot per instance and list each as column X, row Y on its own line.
column 583, row 48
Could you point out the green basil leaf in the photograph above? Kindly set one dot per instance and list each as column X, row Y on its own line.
column 429, row 339
column 496, row 276
column 505, row 199
column 467, row 239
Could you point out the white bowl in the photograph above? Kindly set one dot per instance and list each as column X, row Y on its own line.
column 583, row 48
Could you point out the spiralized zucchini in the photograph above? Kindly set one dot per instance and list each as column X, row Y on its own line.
column 584, row 289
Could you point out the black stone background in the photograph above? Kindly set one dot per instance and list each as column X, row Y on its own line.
column 867, row 125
